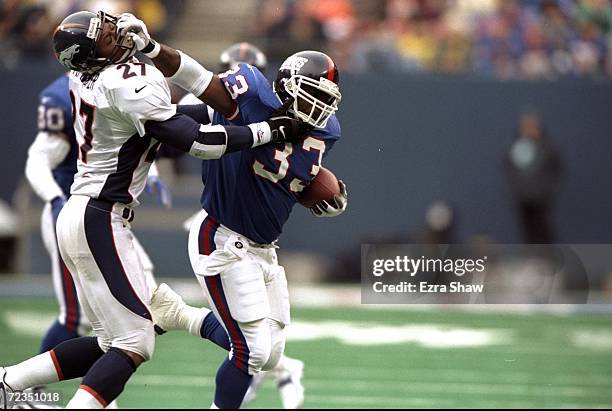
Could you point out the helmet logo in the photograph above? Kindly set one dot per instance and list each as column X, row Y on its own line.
column 294, row 64
column 66, row 56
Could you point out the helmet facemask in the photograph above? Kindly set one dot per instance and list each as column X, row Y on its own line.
column 124, row 46
column 123, row 50
column 314, row 102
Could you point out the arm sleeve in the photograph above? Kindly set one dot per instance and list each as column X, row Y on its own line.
column 205, row 141
column 46, row 153
column 198, row 112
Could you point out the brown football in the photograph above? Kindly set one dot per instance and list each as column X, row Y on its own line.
column 324, row 187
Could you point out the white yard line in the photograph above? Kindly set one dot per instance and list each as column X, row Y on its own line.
column 509, row 390
column 392, row 374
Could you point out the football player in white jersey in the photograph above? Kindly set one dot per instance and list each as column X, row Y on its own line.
column 122, row 113
column 50, row 168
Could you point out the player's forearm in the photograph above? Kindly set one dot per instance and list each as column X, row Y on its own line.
column 198, row 112
column 184, row 71
column 167, row 61
column 217, row 96
column 205, row 141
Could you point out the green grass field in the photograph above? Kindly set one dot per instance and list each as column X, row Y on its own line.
column 359, row 358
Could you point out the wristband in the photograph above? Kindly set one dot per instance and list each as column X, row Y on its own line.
column 261, row 133
column 152, row 49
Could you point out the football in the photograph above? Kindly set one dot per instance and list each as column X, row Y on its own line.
column 324, row 187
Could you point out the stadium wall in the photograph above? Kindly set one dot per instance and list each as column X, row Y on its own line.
column 408, row 141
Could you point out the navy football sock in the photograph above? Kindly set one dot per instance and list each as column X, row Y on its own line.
column 212, row 330
column 232, row 385
column 56, row 335
column 75, row 357
column 109, row 375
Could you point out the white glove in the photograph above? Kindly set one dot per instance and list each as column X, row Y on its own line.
column 337, row 206
column 130, row 26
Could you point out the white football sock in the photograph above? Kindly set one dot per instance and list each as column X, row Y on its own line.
column 84, row 400
column 113, row 406
column 39, row 370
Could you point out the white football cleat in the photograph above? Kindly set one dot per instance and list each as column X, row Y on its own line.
column 288, row 378
column 113, row 406
column 5, row 392
column 166, row 307
column 170, row 312
column 256, row 382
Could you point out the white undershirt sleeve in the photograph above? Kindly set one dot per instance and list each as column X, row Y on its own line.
column 46, row 152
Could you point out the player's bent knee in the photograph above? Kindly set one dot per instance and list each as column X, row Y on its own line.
column 139, row 344
column 277, row 333
column 277, row 351
column 259, row 355
column 259, row 341
column 105, row 344
column 137, row 359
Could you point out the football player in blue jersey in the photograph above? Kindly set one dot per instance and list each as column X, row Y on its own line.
column 289, row 371
column 50, row 169
column 247, row 198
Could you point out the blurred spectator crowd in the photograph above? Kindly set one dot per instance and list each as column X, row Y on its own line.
column 503, row 38
column 26, row 25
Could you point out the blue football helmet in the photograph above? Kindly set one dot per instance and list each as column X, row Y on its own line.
column 74, row 42
column 311, row 80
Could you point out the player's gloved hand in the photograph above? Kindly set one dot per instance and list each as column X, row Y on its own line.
column 338, row 204
column 284, row 127
column 155, row 186
column 130, row 26
column 56, row 206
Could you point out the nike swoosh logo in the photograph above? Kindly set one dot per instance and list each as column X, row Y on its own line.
column 138, row 90
column 282, row 130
